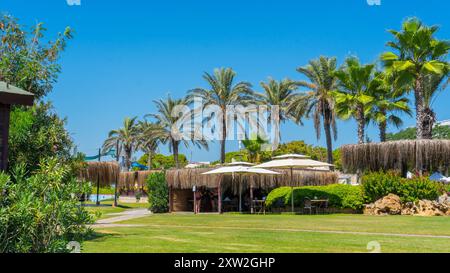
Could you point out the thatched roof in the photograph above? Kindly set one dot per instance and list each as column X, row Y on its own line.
column 106, row 172
column 428, row 155
column 128, row 180
column 187, row 178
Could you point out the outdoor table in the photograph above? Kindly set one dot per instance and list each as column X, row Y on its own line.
column 320, row 204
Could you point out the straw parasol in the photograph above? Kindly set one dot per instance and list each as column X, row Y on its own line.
column 238, row 168
column 292, row 161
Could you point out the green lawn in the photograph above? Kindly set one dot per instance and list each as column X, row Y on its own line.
column 273, row 233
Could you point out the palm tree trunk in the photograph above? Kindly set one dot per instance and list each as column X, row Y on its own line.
column 361, row 124
column 175, row 145
column 128, row 159
column 429, row 119
column 327, row 128
column 150, row 160
column 224, row 136
column 382, row 128
column 418, row 95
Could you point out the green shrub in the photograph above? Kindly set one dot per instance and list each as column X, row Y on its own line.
column 339, row 196
column 379, row 184
column 158, row 192
column 41, row 213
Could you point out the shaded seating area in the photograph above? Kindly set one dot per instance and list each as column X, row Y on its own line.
column 254, row 188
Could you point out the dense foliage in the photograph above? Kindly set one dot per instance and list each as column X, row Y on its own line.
column 27, row 60
column 37, row 133
column 158, row 192
column 41, row 213
column 340, row 196
column 378, row 185
column 161, row 161
column 439, row 132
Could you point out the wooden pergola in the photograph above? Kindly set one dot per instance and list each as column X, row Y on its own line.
column 9, row 95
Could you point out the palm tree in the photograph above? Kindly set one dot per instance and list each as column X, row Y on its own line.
column 169, row 122
column 353, row 96
column 223, row 92
column 254, row 147
column 418, row 53
column 389, row 101
column 321, row 74
column 432, row 85
column 281, row 94
column 149, row 137
column 123, row 138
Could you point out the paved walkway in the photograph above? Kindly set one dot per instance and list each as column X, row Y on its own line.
column 122, row 216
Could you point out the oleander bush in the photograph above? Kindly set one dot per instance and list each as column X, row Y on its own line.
column 158, row 192
column 41, row 213
column 339, row 196
column 379, row 184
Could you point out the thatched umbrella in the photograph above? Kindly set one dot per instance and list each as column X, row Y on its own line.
column 292, row 161
column 239, row 168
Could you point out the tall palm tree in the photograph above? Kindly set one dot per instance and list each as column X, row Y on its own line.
column 222, row 92
column 417, row 54
column 353, row 96
column 321, row 74
column 169, row 121
column 148, row 139
column 432, row 85
column 281, row 94
column 125, row 138
column 389, row 101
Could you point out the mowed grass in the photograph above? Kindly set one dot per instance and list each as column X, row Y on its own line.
column 230, row 233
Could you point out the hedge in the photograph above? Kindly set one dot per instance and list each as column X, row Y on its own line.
column 339, row 196
column 379, row 184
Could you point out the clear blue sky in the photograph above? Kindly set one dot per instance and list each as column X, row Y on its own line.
column 127, row 53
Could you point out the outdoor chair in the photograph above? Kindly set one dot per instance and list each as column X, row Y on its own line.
column 308, row 206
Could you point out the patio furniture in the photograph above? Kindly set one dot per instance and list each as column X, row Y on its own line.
column 259, row 206
column 319, row 204
column 309, row 205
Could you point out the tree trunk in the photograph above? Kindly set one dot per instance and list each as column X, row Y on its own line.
column 327, row 128
column 418, row 96
column 428, row 121
column 224, row 136
column 361, row 124
column 382, row 128
column 128, row 159
column 150, row 160
column 175, row 145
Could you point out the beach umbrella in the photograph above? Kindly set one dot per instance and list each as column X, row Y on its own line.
column 239, row 168
column 291, row 161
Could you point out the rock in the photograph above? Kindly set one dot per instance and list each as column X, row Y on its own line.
column 388, row 205
column 444, row 199
column 392, row 205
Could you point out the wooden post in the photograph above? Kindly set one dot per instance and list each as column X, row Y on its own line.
column 117, row 177
column 219, row 197
column 251, row 199
column 170, row 199
column 98, row 179
column 292, row 190
column 4, row 132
